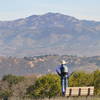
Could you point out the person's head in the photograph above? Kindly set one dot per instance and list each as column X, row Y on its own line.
column 63, row 62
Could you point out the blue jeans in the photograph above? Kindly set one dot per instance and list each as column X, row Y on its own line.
column 64, row 84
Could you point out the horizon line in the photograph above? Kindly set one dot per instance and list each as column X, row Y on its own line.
column 41, row 14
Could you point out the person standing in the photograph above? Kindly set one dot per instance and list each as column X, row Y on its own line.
column 62, row 71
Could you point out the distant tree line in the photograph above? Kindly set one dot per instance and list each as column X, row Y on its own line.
column 46, row 85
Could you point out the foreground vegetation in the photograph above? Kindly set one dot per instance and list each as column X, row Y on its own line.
column 45, row 86
column 57, row 98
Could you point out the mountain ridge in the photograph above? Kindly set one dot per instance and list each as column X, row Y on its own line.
column 47, row 14
column 50, row 33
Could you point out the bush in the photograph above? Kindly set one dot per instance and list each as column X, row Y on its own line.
column 97, row 82
column 5, row 93
column 12, row 79
column 81, row 79
column 45, row 86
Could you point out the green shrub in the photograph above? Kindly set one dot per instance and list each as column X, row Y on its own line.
column 5, row 93
column 97, row 82
column 45, row 86
column 81, row 79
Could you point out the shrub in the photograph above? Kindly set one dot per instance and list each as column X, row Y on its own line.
column 81, row 79
column 97, row 82
column 45, row 86
column 5, row 93
column 12, row 79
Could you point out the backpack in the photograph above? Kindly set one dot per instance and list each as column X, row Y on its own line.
column 64, row 69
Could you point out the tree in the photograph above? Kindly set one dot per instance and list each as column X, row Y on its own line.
column 45, row 86
column 19, row 89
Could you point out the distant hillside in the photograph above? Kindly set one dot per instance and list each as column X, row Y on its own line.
column 46, row 64
column 51, row 33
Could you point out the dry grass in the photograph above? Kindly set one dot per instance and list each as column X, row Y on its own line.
column 59, row 98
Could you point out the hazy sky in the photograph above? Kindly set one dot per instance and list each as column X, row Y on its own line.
column 82, row 9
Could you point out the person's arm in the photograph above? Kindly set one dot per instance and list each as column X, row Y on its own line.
column 58, row 71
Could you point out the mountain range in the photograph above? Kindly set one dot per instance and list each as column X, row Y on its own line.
column 51, row 33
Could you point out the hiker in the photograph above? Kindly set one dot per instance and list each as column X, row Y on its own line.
column 62, row 71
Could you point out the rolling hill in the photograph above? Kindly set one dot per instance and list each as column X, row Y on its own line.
column 46, row 64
